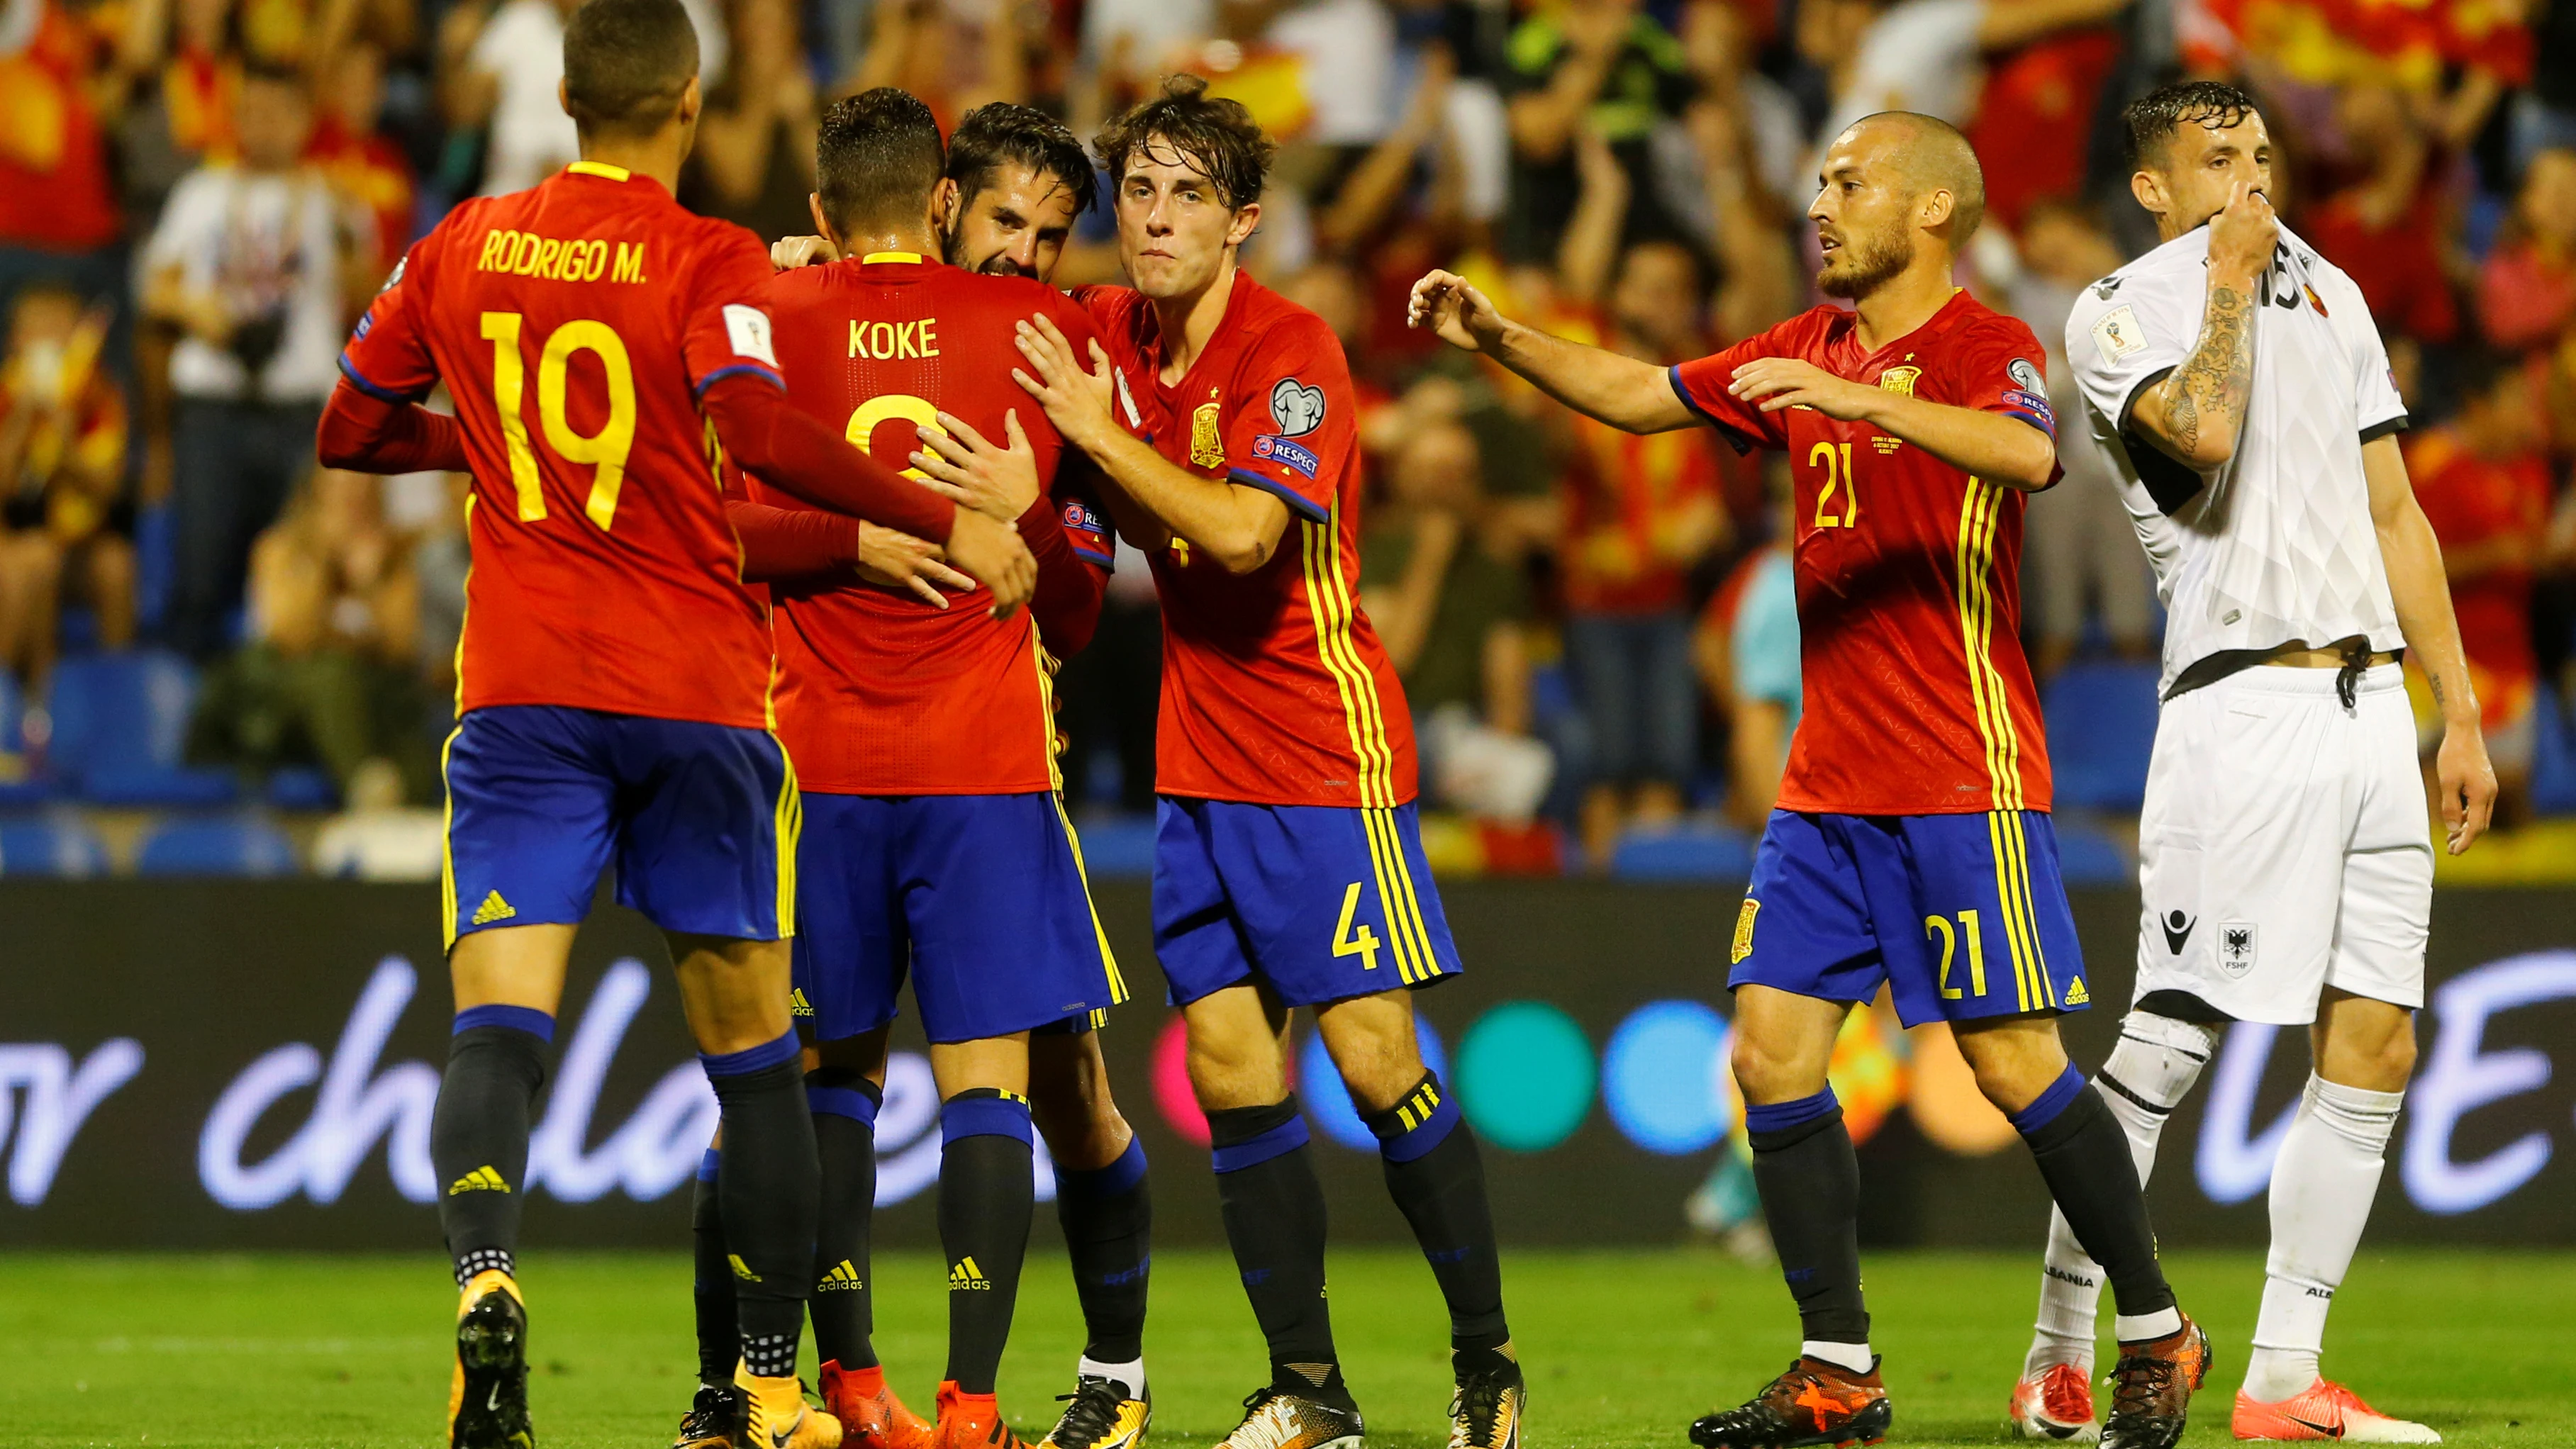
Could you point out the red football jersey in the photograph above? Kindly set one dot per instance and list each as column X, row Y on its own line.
column 1275, row 688
column 576, row 324
column 1919, row 701
column 879, row 692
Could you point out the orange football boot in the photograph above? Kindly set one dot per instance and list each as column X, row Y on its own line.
column 971, row 1421
column 2151, row 1388
column 2325, row 1410
column 2055, row 1403
column 871, row 1416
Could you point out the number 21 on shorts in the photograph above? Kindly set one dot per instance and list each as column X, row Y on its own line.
column 1938, row 928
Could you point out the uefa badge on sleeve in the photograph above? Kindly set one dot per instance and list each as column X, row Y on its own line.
column 2236, row 948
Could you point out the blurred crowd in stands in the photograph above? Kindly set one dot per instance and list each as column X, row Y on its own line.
column 1598, row 632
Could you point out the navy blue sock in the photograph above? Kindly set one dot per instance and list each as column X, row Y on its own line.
column 478, row 1134
column 1273, row 1208
column 845, row 1106
column 1809, row 1182
column 987, row 1192
column 1436, row 1178
column 719, row 1333
column 2085, row 1158
column 1108, row 1221
column 767, row 1188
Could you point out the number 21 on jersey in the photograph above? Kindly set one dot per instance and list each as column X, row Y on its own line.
column 1833, row 512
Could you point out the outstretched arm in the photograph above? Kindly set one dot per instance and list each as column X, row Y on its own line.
column 1627, row 394
column 1997, row 447
column 2413, row 558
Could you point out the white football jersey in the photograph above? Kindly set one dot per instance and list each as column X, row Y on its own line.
column 2277, row 543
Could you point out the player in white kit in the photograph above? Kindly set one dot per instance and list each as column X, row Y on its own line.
column 2237, row 388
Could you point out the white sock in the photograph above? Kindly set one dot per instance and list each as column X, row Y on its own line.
column 2322, row 1185
column 1128, row 1376
column 2147, row 1327
column 1853, row 1356
column 2151, row 1069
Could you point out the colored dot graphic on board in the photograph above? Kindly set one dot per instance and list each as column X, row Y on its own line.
column 1525, row 1076
column 1663, row 1077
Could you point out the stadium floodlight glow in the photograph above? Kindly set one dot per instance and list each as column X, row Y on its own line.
column 1660, row 1077
column 1328, row 1102
column 2458, row 1077
column 2232, row 1163
column 46, row 1099
column 1526, row 1076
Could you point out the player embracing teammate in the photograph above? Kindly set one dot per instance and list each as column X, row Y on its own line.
column 606, row 350
column 935, row 847
column 1912, row 846
column 1288, row 868
column 2237, row 389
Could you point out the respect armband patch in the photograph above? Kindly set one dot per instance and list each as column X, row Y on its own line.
column 2029, row 402
column 1286, row 453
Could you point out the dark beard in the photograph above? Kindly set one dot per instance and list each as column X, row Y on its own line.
column 1872, row 264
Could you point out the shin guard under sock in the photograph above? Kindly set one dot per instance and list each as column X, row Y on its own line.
column 1108, row 1221
column 987, row 1191
column 2085, row 1158
column 478, row 1133
column 1273, row 1208
column 718, row 1324
column 2149, row 1072
column 768, row 1185
column 1437, row 1180
column 843, row 1308
column 1809, row 1182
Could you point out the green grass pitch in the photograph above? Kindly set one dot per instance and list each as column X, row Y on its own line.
column 211, row 1352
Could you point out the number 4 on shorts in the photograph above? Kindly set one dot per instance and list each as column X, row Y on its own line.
column 1363, row 945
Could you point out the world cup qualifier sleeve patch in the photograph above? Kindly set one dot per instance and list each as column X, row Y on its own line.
column 1297, row 408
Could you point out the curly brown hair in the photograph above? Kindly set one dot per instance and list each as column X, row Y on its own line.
column 1214, row 134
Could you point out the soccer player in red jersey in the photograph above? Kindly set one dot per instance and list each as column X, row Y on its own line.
column 1288, row 869
column 935, row 846
column 613, row 677
column 1016, row 178
column 1912, row 845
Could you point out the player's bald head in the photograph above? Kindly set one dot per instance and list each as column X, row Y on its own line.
column 1932, row 156
column 627, row 63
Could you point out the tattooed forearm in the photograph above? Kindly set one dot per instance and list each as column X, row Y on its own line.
column 2210, row 389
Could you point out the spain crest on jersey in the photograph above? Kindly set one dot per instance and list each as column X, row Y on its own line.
column 1900, row 379
column 1207, row 442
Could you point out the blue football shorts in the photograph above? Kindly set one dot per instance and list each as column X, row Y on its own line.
column 979, row 900
column 699, row 821
column 1319, row 902
column 1962, row 916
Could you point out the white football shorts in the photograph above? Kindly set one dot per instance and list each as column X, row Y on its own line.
column 2284, row 846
